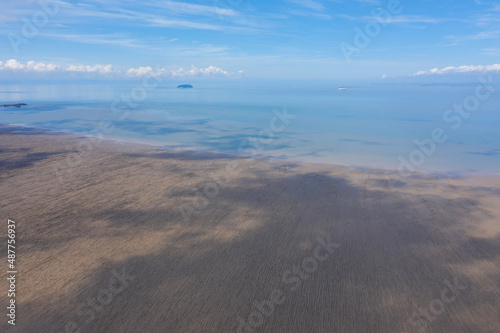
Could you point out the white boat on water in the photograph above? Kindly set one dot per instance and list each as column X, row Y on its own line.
column 342, row 88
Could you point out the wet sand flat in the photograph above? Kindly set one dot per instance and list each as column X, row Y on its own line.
column 131, row 238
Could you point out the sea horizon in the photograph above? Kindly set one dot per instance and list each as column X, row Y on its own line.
column 382, row 125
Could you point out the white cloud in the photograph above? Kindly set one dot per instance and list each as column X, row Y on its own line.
column 141, row 71
column 211, row 71
column 40, row 67
column 32, row 66
column 100, row 69
column 14, row 65
column 106, row 70
column 461, row 69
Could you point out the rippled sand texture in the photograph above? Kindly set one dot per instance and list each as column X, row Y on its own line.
column 417, row 254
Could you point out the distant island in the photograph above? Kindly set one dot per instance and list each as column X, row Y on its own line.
column 17, row 105
column 184, row 86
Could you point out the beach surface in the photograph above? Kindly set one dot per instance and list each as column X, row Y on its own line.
column 132, row 238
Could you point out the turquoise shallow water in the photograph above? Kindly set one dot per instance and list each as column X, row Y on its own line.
column 363, row 125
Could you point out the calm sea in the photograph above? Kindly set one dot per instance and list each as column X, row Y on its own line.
column 382, row 126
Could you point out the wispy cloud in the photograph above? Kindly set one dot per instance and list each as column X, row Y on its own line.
column 201, row 50
column 418, row 19
column 461, row 69
column 193, row 9
column 309, row 14
column 169, row 14
column 486, row 19
column 308, row 8
column 106, row 39
column 399, row 19
column 371, row 2
column 492, row 34
column 491, row 51
column 310, row 4
column 172, row 23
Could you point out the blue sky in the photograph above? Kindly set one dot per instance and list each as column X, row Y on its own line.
column 304, row 39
